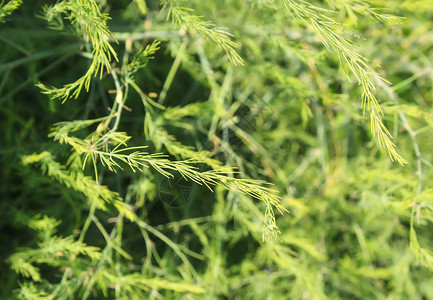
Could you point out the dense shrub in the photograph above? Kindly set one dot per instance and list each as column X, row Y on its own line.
column 233, row 149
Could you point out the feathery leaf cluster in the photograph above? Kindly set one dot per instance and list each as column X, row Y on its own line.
column 92, row 25
column 7, row 8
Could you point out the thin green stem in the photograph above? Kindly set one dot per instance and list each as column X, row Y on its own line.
column 37, row 56
column 87, row 222
column 119, row 100
column 172, row 73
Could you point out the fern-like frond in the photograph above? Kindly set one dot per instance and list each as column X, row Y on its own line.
column 52, row 250
column 97, row 148
column 332, row 38
column 8, row 8
column 95, row 193
column 183, row 16
column 92, row 25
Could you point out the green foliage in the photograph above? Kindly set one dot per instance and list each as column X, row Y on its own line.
column 52, row 250
column 91, row 24
column 182, row 16
column 216, row 149
column 330, row 34
column 7, row 8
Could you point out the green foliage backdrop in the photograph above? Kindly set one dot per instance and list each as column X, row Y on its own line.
column 233, row 149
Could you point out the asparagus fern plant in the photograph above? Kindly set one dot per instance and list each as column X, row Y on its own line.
column 189, row 149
